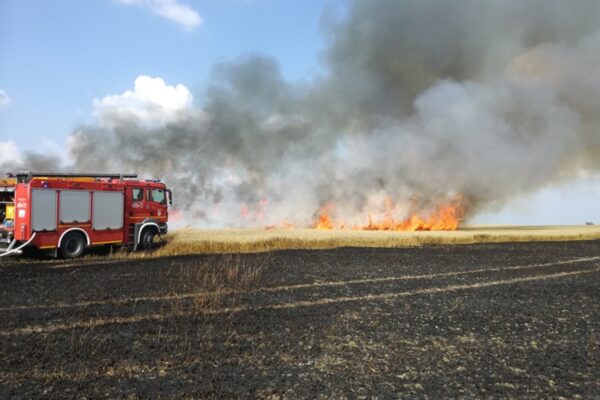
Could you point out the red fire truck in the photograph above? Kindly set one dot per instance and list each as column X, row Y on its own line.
column 69, row 212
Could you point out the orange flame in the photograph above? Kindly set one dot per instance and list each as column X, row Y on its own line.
column 325, row 222
column 446, row 217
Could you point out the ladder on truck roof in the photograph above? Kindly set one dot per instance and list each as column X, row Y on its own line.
column 26, row 176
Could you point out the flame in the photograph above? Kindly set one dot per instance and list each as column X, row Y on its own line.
column 445, row 217
column 325, row 222
column 175, row 215
column 285, row 225
column 254, row 213
column 244, row 212
column 262, row 205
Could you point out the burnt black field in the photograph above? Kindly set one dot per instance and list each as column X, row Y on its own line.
column 488, row 320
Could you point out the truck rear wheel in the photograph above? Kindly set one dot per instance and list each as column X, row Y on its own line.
column 72, row 245
column 147, row 238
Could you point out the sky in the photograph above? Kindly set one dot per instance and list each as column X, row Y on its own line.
column 62, row 60
column 57, row 56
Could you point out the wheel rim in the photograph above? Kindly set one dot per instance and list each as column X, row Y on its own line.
column 148, row 239
column 72, row 246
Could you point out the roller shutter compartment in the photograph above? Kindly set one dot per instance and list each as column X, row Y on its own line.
column 43, row 210
column 74, row 206
column 107, row 210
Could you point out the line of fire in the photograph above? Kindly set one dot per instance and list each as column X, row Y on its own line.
column 68, row 213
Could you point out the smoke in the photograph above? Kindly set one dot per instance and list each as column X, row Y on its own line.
column 420, row 101
column 12, row 159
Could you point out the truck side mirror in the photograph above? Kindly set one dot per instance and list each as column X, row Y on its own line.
column 170, row 197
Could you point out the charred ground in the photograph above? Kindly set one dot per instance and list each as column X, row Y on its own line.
column 476, row 320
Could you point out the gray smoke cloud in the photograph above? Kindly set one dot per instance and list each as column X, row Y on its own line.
column 30, row 161
column 420, row 101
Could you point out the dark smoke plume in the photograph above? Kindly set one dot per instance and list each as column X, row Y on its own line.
column 421, row 100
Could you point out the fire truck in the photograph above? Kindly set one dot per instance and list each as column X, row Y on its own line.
column 68, row 213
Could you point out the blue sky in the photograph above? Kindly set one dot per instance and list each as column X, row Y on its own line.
column 57, row 56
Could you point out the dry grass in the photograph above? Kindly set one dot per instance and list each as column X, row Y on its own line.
column 187, row 241
column 220, row 279
column 202, row 286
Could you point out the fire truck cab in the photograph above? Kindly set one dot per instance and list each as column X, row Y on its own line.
column 70, row 212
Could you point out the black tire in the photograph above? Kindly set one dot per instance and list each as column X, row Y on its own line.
column 147, row 239
column 72, row 245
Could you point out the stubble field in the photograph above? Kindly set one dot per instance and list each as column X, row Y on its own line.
column 479, row 320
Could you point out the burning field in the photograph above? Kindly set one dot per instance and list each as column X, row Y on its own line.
column 445, row 217
column 485, row 320
column 421, row 115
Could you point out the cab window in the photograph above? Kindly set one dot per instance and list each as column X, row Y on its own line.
column 137, row 194
column 157, row 196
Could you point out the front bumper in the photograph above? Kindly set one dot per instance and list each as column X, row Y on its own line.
column 163, row 228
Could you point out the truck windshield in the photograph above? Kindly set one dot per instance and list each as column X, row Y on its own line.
column 158, row 196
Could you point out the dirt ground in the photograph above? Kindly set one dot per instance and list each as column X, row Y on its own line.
column 485, row 320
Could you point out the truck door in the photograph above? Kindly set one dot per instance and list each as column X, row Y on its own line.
column 157, row 203
column 139, row 207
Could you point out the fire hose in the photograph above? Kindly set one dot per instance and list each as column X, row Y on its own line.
column 10, row 249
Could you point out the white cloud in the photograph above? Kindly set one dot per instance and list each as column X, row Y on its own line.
column 172, row 10
column 9, row 153
column 4, row 99
column 151, row 104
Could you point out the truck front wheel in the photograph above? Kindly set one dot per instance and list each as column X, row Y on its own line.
column 147, row 238
column 72, row 245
